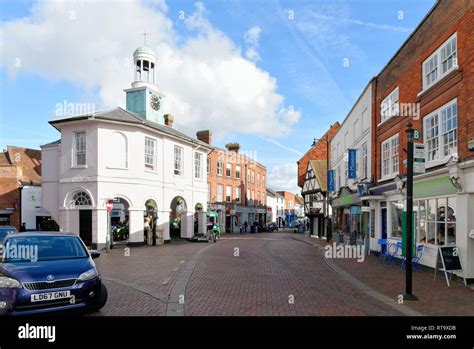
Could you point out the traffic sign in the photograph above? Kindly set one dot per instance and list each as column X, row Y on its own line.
column 109, row 205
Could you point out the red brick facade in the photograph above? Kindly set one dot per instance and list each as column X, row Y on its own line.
column 17, row 166
column 317, row 152
column 405, row 71
column 252, row 178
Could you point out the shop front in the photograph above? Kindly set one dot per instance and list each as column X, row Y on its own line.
column 352, row 216
column 216, row 214
column 443, row 206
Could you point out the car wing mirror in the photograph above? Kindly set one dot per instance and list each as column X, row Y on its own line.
column 95, row 254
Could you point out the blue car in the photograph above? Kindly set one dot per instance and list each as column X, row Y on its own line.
column 6, row 230
column 42, row 272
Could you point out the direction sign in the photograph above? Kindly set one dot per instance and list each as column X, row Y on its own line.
column 419, row 158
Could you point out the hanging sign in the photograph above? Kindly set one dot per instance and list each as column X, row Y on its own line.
column 331, row 181
column 352, row 164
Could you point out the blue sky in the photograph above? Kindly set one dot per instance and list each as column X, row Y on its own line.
column 301, row 48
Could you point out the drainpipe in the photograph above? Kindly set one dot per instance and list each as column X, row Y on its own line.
column 20, row 213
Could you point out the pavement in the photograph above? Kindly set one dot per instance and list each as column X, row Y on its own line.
column 435, row 298
column 265, row 274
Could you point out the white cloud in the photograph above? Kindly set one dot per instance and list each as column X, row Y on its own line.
column 207, row 82
column 251, row 39
column 284, row 177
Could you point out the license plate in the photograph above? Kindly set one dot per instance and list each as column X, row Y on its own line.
column 50, row 296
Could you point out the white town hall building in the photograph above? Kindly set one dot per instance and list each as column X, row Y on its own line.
column 155, row 175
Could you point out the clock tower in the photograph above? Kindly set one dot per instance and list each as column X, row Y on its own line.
column 143, row 98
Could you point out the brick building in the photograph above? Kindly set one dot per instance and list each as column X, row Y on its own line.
column 20, row 189
column 312, row 168
column 429, row 82
column 236, row 186
column 318, row 151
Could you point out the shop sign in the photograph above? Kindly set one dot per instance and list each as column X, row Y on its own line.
column 355, row 210
column 419, row 158
column 330, row 181
column 352, row 164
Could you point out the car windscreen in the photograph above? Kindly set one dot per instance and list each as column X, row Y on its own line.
column 43, row 248
column 4, row 232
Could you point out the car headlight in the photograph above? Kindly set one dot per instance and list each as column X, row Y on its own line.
column 90, row 274
column 6, row 282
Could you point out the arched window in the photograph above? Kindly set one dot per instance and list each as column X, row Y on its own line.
column 118, row 154
column 81, row 199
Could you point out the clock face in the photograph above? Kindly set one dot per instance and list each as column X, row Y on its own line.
column 155, row 102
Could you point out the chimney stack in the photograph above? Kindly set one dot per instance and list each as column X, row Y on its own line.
column 234, row 146
column 204, row 136
column 169, row 120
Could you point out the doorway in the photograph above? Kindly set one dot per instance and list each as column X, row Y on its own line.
column 383, row 217
column 85, row 226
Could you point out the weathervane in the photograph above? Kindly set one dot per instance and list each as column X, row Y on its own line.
column 144, row 36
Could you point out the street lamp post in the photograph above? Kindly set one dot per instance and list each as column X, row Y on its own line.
column 409, row 218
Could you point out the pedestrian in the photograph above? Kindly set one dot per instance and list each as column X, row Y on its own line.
column 245, row 227
column 23, row 227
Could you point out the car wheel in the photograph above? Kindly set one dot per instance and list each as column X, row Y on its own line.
column 102, row 299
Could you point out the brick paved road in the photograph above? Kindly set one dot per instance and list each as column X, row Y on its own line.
column 271, row 271
column 274, row 274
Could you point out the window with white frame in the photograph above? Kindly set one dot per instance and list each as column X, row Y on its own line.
column 220, row 167
column 197, row 165
column 365, row 120
column 389, row 106
column 440, row 132
column 346, row 167
column 263, row 181
column 258, row 179
column 390, row 157
column 364, row 161
column 237, row 172
column 357, row 130
column 220, row 193
column 228, row 170
column 440, row 63
column 178, row 160
column 228, row 194
column 339, row 177
column 150, row 153
column 208, row 169
column 80, row 149
column 253, row 177
column 237, row 194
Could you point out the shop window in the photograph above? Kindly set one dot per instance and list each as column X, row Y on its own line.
column 431, row 221
column 451, row 222
column 396, row 209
